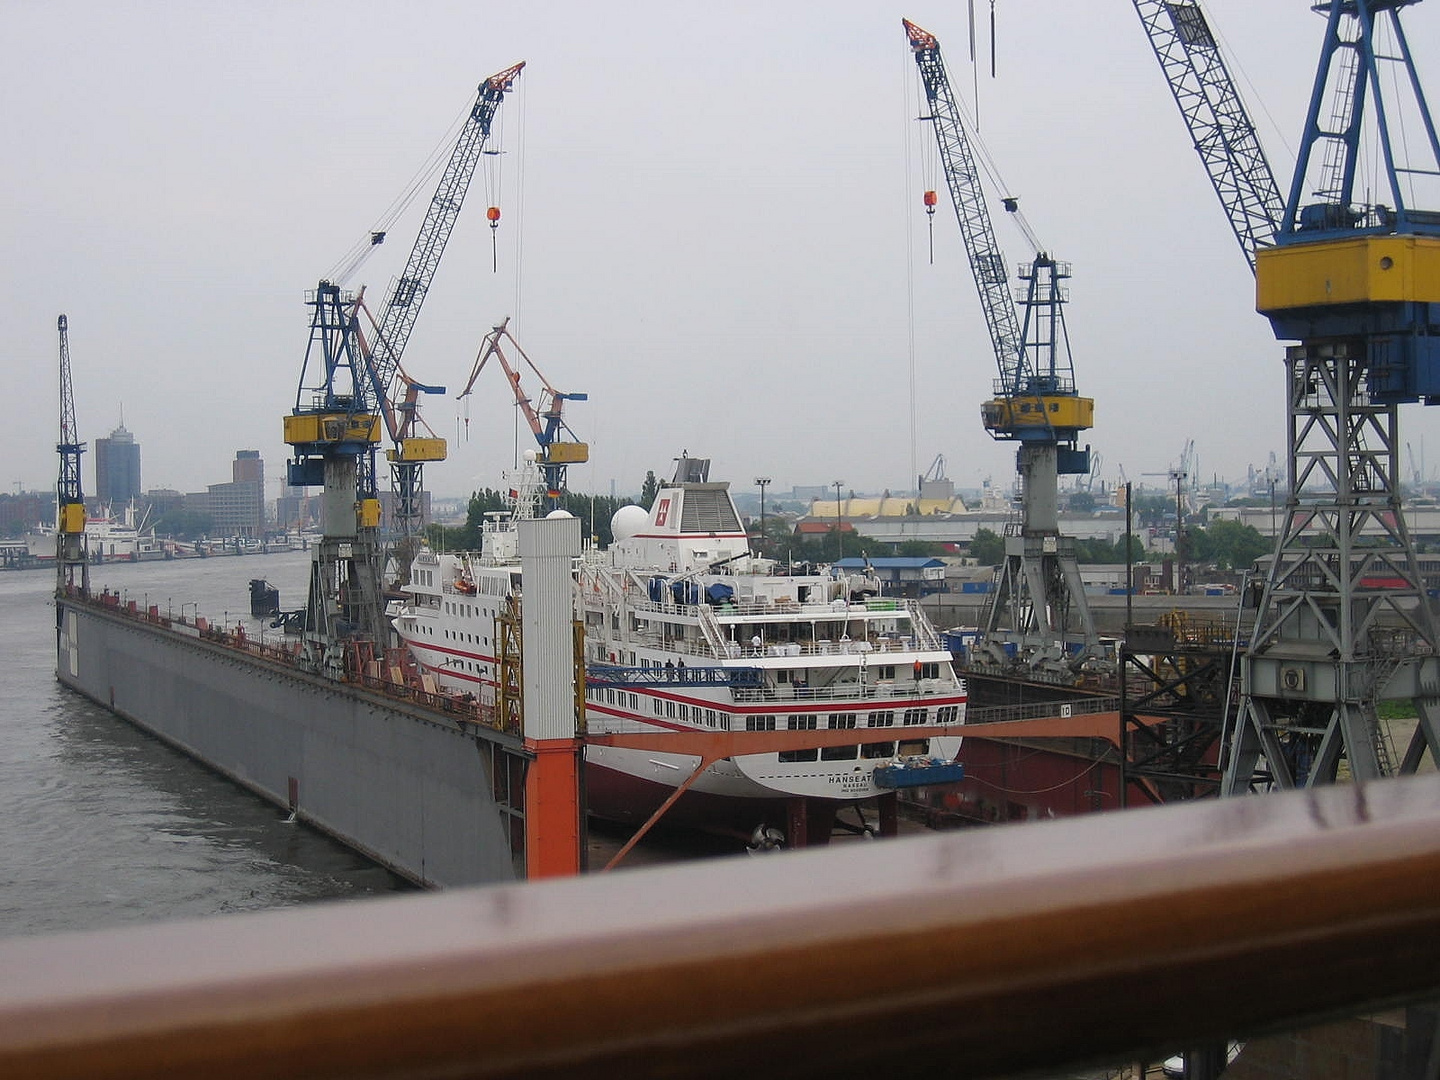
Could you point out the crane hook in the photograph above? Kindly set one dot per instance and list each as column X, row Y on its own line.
column 493, row 214
column 930, row 217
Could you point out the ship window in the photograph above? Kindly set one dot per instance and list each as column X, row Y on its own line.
column 841, row 720
column 839, row 753
column 802, row 723
column 887, row 671
column 882, row 719
column 760, row 723
column 915, row 716
column 878, row 749
column 913, row 747
column 659, row 706
column 782, row 676
column 670, row 709
column 947, row 714
column 930, row 671
column 799, row 755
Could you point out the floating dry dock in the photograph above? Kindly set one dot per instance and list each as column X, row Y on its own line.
column 439, row 790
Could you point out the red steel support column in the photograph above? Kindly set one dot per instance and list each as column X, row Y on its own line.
column 552, row 808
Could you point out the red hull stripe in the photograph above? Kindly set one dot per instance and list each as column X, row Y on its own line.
column 446, row 651
column 652, row 721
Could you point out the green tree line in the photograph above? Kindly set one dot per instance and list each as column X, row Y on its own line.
column 1227, row 545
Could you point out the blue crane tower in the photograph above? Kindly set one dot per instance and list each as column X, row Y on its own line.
column 71, row 554
column 1037, row 616
column 349, row 387
column 1348, row 267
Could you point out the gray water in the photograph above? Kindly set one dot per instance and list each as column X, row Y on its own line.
column 102, row 825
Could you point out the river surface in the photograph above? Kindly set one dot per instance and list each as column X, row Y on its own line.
column 102, row 825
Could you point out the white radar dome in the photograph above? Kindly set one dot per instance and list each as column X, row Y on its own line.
column 558, row 514
column 530, row 455
column 627, row 521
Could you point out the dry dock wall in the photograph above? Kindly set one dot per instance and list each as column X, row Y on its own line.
column 408, row 788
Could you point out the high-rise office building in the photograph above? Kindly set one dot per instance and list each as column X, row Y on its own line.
column 238, row 508
column 117, row 468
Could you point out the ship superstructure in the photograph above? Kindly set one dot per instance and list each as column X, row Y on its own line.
column 687, row 631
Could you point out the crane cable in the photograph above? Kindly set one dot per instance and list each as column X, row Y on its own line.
column 910, row 103
column 992, row 172
column 355, row 257
column 493, row 177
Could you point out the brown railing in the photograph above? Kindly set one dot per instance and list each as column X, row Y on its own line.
column 983, row 953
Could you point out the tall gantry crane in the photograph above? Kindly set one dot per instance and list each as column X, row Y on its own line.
column 348, row 386
column 334, row 430
column 1038, row 609
column 1349, row 267
column 71, row 554
column 546, row 419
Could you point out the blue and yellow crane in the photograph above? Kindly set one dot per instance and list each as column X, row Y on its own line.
column 1037, row 615
column 1347, row 266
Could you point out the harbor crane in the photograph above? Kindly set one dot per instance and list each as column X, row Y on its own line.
column 334, row 430
column 1037, row 610
column 350, row 386
column 546, row 418
column 71, row 554
column 1348, row 266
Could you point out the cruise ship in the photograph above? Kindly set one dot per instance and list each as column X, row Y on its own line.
column 687, row 629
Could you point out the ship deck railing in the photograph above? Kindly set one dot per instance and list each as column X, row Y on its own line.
column 781, row 608
column 882, row 690
column 879, row 647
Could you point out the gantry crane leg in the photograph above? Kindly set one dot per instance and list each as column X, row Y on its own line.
column 1344, row 622
column 1039, row 607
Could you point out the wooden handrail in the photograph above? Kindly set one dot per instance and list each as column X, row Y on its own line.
column 979, row 954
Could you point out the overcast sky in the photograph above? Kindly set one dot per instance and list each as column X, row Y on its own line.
column 712, row 223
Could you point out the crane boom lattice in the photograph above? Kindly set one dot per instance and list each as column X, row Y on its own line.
column 408, row 291
column 1216, row 117
column 967, row 194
